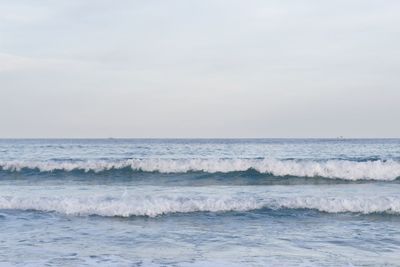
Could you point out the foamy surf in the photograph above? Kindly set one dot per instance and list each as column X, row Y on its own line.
column 338, row 169
column 160, row 205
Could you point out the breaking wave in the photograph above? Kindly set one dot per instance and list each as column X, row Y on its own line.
column 159, row 205
column 384, row 170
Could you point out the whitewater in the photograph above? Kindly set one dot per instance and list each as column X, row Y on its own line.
column 200, row 202
column 341, row 169
column 223, row 200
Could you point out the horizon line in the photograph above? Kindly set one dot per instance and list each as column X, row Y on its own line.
column 187, row 138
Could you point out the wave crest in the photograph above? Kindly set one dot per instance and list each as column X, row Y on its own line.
column 158, row 205
column 341, row 169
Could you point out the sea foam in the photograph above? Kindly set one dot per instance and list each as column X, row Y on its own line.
column 158, row 205
column 341, row 169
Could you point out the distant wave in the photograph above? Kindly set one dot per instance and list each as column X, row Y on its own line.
column 338, row 169
column 159, row 205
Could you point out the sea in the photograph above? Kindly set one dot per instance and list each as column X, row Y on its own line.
column 200, row 202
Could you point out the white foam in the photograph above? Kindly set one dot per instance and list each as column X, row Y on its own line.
column 390, row 205
column 159, row 205
column 125, row 207
column 349, row 170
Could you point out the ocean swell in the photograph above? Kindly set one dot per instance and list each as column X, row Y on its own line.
column 338, row 169
column 159, row 205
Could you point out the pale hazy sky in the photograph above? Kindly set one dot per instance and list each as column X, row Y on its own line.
column 206, row 68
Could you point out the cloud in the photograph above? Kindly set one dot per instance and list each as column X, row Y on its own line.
column 11, row 62
column 15, row 63
column 255, row 68
column 18, row 12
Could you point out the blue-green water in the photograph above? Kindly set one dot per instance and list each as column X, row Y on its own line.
column 261, row 202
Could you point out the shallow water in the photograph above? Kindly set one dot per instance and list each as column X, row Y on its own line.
column 287, row 202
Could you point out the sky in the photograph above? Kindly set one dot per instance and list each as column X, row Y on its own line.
column 199, row 69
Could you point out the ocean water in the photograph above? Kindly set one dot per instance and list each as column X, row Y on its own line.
column 179, row 202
